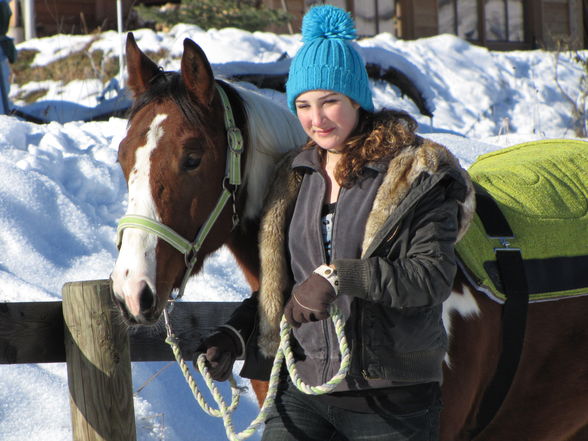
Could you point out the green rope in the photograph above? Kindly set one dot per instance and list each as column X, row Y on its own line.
column 225, row 411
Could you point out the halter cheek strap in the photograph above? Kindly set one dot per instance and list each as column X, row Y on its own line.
column 232, row 177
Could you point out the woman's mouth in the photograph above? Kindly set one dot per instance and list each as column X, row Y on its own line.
column 323, row 132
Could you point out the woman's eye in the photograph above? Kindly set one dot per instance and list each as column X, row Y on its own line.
column 191, row 162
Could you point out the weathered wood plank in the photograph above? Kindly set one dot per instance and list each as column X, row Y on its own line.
column 98, row 364
column 32, row 332
column 190, row 323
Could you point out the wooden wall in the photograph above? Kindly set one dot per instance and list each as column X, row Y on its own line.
column 546, row 21
column 417, row 18
column 73, row 16
column 76, row 16
column 560, row 20
column 294, row 7
column 555, row 20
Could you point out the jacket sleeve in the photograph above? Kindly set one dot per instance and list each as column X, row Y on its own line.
column 242, row 321
column 420, row 269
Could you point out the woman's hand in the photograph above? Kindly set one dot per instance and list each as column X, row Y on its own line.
column 220, row 350
column 310, row 301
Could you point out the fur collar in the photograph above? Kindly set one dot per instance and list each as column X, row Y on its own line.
column 403, row 169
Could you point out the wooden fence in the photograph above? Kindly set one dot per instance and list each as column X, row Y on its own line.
column 86, row 332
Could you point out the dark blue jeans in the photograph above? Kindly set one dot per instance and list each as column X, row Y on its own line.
column 299, row 417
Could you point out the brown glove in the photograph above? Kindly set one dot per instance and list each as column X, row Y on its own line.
column 310, row 301
column 221, row 349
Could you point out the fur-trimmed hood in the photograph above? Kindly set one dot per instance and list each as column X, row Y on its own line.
column 424, row 156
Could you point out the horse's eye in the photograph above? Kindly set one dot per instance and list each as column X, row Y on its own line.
column 191, row 161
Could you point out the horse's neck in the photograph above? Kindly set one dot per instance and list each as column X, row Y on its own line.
column 244, row 246
column 273, row 131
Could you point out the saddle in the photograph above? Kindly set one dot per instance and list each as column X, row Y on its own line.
column 541, row 190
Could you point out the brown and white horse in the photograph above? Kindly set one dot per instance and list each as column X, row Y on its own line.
column 174, row 157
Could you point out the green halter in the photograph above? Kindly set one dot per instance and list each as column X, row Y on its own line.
column 233, row 177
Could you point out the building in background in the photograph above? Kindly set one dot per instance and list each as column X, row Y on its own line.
column 496, row 24
column 70, row 16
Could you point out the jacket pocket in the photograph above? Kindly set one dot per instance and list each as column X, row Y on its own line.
column 403, row 330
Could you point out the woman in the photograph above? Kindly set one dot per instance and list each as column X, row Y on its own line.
column 366, row 217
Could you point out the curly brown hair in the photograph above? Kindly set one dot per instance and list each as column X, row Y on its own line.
column 378, row 136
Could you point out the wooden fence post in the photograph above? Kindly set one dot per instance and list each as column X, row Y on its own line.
column 98, row 364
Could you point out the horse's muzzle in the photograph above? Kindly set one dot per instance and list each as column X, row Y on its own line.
column 147, row 307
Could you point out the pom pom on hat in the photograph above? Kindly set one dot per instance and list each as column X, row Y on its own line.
column 327, row 22
column 328, row 59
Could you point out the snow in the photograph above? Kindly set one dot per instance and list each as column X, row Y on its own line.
column 62, row 192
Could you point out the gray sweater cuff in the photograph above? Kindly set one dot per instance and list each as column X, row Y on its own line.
column 354, row 277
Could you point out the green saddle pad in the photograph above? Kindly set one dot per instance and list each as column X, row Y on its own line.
column 541, row 187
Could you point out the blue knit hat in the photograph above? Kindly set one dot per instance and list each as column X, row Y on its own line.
column 327, row 60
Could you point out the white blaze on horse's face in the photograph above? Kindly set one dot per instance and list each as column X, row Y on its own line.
column 133, row 277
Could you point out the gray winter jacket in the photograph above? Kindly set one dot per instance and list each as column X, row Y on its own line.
column 395, row 260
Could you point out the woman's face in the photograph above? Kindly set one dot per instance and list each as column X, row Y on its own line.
column 327, row 117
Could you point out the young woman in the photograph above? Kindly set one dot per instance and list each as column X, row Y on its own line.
column 366, row 217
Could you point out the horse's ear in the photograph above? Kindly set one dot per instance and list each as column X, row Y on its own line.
column 197, row 73
column 139, row 67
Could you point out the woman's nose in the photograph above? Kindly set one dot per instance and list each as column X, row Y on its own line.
column 317, row 116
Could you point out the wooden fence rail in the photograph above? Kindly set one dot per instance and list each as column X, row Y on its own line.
column 87, row 333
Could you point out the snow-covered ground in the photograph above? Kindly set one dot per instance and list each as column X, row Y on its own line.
column 61, row 190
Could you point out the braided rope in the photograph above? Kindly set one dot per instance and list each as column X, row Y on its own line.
column 235, row 390
column 330, row 385
column 284, row 352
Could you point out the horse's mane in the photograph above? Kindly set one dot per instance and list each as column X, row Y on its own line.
column 272, row 130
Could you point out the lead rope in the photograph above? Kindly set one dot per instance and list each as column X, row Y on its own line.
column 284, row 352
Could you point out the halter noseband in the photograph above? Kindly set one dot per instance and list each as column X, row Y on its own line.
column 232, row 176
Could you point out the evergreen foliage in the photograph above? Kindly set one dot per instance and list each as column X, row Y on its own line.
column 243, row 14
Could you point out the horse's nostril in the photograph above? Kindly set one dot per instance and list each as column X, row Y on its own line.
column 146, row 298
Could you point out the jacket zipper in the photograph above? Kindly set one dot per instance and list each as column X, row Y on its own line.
column 327, row 352
column 324, row 260
column 326, row 323
column 357, row 342
column 392, row 235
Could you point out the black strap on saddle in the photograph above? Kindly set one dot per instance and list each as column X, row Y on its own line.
column 514, row 314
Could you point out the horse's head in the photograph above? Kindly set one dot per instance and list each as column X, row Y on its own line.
column 174, row 158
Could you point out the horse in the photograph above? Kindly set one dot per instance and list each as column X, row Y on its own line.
column 174, row 157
